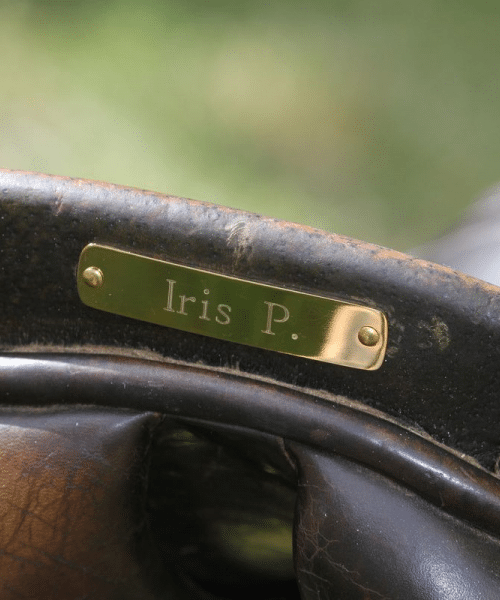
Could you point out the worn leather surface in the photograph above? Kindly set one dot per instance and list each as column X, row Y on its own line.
column 115, row 499
column 72, row 488
column 441, row 371
column 112, row 504
column 213, row 397
column 200, row 505
column 362, row 536
column 109, row 504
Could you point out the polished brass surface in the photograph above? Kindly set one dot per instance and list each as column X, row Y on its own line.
column 236, row 310
column 368, row 336
column 93, row 277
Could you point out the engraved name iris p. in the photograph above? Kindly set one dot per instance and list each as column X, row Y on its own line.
column 207, row 310
column 232, row 309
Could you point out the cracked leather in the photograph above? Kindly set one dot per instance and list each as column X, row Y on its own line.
column 441, row 370
column 70, row 503
column 138, row 461
column 363, row 536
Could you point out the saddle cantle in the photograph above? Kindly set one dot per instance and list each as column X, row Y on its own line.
column 190, row 394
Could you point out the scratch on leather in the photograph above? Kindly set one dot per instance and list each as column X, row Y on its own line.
column 240, row 239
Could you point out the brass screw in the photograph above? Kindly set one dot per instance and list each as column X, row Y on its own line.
column 93, row 277
column 368, row 336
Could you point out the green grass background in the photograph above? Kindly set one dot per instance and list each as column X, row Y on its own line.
column 378, row 120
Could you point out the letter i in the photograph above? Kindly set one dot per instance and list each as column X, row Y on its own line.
column 170, row 295
column 203, row 315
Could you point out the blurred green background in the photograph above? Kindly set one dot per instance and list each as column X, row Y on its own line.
column 378, row 120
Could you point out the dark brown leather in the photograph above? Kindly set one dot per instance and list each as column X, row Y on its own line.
column 189, row 450
column 362, row 536
column 72, row 491
column 441, row 370
column 381, row 511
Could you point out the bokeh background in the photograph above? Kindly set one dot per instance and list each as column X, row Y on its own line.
column 379, row 120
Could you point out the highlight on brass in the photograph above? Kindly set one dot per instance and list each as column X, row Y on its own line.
column 228, row 308
column 368, row 336
column 93, row 276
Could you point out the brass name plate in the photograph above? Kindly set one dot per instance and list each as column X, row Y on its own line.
column 232, row 309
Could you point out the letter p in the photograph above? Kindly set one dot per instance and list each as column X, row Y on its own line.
column 285, row 315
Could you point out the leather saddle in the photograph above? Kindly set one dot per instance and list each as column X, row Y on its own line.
column 200, row 403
